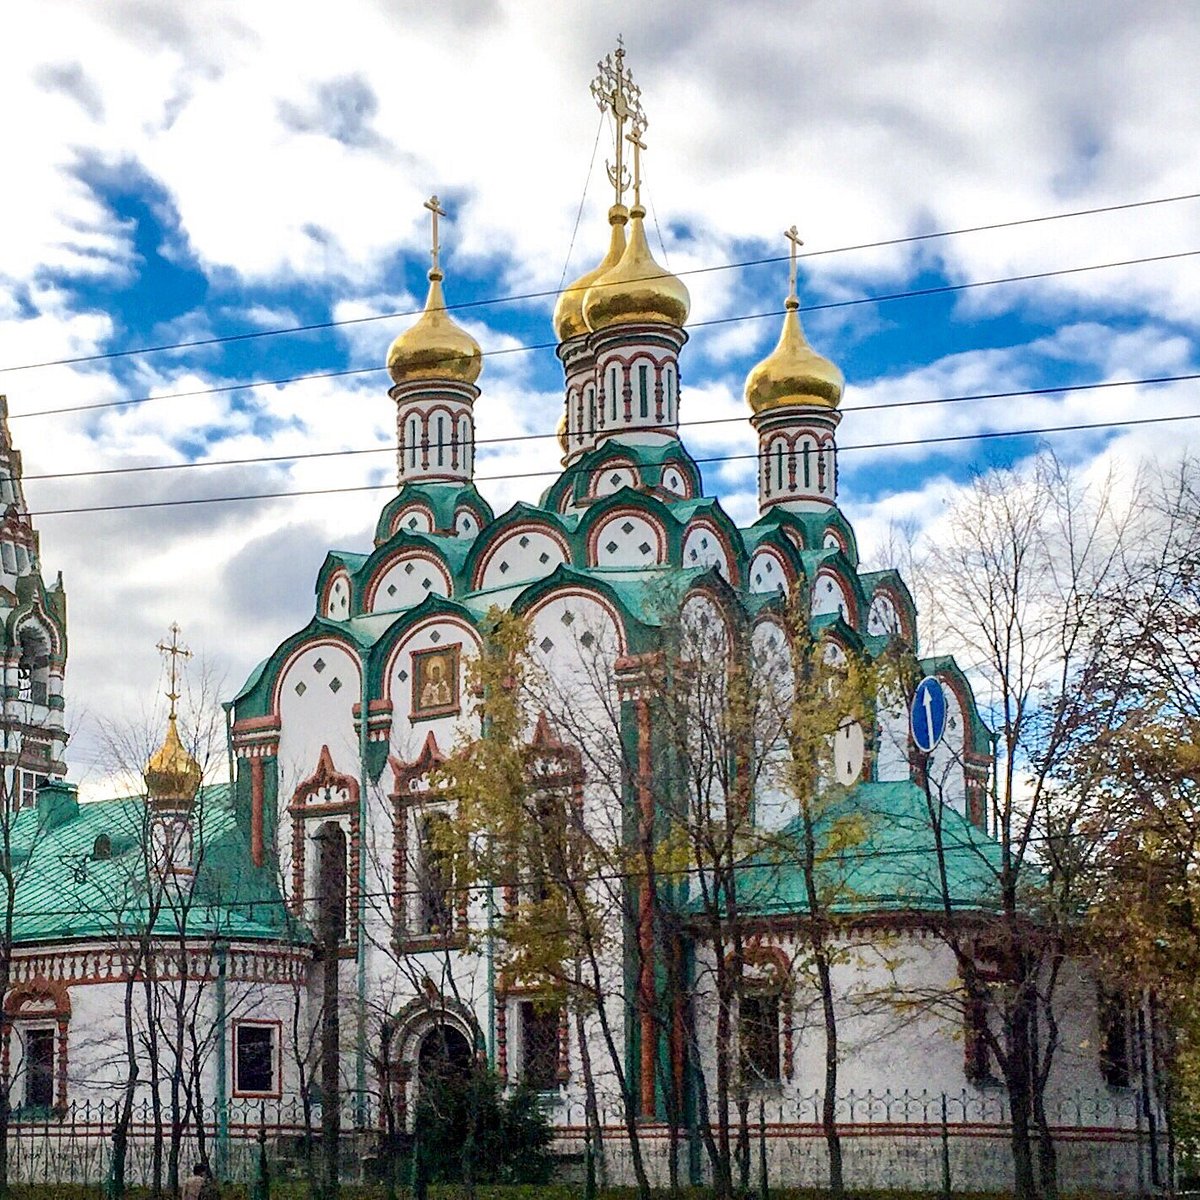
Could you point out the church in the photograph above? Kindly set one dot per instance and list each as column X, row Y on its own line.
column 320, row 872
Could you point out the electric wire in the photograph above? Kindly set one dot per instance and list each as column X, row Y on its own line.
column 582, row 201
column 390, row 447
column 543, row 294
column 888, row 297
column 554, row 471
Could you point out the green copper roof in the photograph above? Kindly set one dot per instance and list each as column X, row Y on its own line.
column 66, row 890
column 876, row 852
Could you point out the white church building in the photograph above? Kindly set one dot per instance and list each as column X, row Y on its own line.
column 226, row 899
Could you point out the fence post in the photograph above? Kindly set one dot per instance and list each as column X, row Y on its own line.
column 261, row 1188
column 763, row 1189
column 945, row 1152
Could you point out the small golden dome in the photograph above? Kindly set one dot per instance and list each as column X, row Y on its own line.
column 436, row 347
column 560, row 432
column 637, row 288
column 172, row 774
column 793, row 373
column 568, row 312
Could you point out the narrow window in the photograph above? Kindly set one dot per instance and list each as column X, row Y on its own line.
column 807, row 466
column 436, row 877
column 644, row 391
column 758, row 1036
column 1113, row 1017
column 612, row 389
column 591, row 411
column 331, row 886
column 39, row 1068
column 441, row 439
column 539, row 1046
column 412, row 442
column 977, row 1054
column 254, row 1059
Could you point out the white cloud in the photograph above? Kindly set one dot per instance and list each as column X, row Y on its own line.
column 296, row 152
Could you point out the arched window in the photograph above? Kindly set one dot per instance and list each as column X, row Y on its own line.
column 331, row 882
column 102, row 847
column 33, row 668
column 412, row 442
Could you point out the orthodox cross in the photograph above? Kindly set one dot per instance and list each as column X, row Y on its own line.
column 176, row 652
column 615, row 92
column 435, row 247
column 796, row 242
column 634, row 138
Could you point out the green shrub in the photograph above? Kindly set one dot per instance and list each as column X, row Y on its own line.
column 465, row 1124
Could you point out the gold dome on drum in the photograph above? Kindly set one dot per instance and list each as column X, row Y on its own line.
column 637, row 288
column 436, row 347
column 172, row 774
column 568, row 311
column 794, row 373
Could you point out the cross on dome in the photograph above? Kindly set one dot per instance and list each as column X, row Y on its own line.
column 617, row 94
column 175, row 651
column 634, row 138
column 435, row 247
column 796, row 241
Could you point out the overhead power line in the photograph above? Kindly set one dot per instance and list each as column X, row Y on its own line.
column 553, row 471
column 887, row 297
column 741, row 419
column 519, row 297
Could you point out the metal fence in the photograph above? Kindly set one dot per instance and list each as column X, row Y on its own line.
column 76, row 1144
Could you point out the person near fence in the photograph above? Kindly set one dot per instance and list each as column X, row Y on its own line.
column 201, row 1186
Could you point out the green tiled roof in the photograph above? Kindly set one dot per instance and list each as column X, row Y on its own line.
column 876, row 853
column 64, row 891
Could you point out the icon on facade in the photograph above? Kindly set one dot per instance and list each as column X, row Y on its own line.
column 435, row 681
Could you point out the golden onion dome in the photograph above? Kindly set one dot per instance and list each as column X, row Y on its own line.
column 436, row 347
column 172, row 774
column 637, row 288
column 568, row 312
column 793, row 373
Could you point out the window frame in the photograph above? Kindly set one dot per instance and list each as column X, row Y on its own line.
column 529, row 1005
column 275, row 1028
column 50, row 1074
column 755, row 996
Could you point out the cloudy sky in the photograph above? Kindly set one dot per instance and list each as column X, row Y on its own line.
column 179, row 172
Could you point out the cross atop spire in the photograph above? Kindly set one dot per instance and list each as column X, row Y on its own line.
column 616, row 93
column 796, row 242
column 176, row 652
column 435, row 247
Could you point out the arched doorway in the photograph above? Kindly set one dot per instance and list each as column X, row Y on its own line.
column 444, row 1055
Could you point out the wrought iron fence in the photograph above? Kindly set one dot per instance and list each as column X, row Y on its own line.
column 75, row 1145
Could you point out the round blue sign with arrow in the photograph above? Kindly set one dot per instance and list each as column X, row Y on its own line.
column 928, row 715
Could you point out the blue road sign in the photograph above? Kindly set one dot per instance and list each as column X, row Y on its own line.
column 928, row 716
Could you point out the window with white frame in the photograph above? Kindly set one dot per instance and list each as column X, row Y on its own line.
column 255, row 1059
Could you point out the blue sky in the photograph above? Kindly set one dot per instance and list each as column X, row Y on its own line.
column 180, row 172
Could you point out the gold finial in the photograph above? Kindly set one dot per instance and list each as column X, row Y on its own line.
column 615, row 92
column 435, row 247
column 796, row 242
column 176, row 652
column 634, row 138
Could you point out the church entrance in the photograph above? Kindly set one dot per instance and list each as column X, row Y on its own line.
column 444, row 1057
